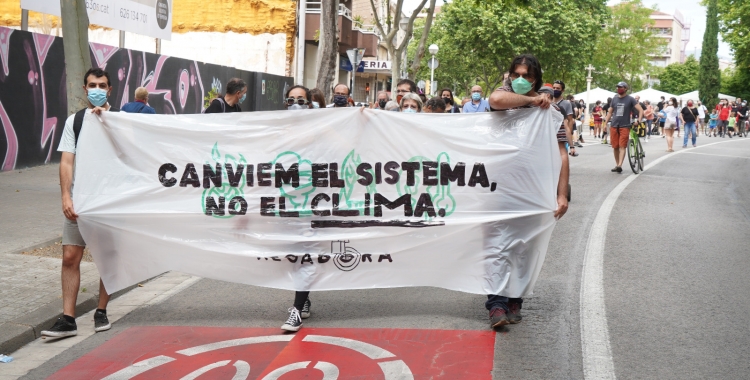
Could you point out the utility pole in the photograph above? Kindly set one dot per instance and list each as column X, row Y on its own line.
column 75, row 26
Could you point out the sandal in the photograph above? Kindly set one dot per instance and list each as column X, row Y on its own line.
column 574, row 154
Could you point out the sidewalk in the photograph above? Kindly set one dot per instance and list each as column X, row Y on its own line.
column 30, row 293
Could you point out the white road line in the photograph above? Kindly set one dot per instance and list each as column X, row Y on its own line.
column 717, row 155
column 595, row 344
column 234, row 343
column 138, row 368
column 396, row 370
column 200, row 371
column 369, row 350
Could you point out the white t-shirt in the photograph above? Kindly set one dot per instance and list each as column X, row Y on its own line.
column 702, row 111
column 68, row 138
column 671, row 112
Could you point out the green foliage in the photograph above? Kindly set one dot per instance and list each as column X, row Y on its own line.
column 212, row 94
column 479, row 39
column 679, row 78
column 735, row 82
column 709, row 78
column 625, row 44
column 734, row 21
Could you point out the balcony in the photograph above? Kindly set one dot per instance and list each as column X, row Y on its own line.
column 351, row 35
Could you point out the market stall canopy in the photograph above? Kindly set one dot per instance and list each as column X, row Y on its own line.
column 694, row 95
column 595, row 94
column 653, row 95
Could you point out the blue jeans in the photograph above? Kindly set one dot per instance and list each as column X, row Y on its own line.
column 690, row 128
column 495, row 301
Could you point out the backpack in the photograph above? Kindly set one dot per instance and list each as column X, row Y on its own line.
column 223, row 105
column 78, row 121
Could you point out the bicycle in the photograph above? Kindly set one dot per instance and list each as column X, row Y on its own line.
column 635, row 149
column 742, row 128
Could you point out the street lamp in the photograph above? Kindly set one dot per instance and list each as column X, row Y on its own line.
column 589, row 78
column 433, row 64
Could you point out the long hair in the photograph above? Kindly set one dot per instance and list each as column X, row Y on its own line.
column 535, row 68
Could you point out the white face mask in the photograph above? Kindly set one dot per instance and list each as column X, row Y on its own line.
column 316, row 105
column 296, row 106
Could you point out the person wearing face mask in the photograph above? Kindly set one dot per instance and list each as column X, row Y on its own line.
column 724, row 109
column 230, row 102
column 619, row 113
column 140, row 105
column 403, row 87
column 97, row 85
column 382, row 100
column 558, row 87
column 411, row 103
column 296, row 98
column 688, row 116
column 522, row 90
column 741, row 111
column 317, row 99
column 477, row 104
column 434, row 105
column 340, row 96
column 670, row 110
column 450, row 104
column 392, row 106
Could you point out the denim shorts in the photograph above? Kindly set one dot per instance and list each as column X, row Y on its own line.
column 71, row 234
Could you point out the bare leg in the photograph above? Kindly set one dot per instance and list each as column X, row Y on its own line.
column 103, row 296
column 622, row 152
column 617, row 156
column 71, row 277
column 670, row 139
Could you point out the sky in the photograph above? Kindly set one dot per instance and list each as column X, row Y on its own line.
column 693, row 12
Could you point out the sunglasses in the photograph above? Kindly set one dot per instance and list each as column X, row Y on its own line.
column 301, row 101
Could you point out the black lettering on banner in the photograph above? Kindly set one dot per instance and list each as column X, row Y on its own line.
column 190, row 176
column 214, row 176
column 363, row 171
column 267, row 207
column 306, row 258
column 233, row 177
column 314, row 205
column 275, row 258
column 404, row 200
column 479, row 175
column 386, row 256
column 288, row 176
column 333, row 169
column 429, row 173
column 367, row 204
column 320, row 175
column 378, row 173
column 322, row 259
column 457, row 175
column 249, row 175
column 366, row 257
column 424, row 204
column 292, row 258
column 233, row 205
column 410, row 168
column 390, row 169
column 167, row 182
column 264, row 178
column 212, row 208
column 282, row 210
column 339, row 212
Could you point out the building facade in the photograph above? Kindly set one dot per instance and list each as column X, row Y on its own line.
column 676, row 33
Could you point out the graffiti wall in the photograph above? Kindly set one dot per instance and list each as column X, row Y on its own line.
column 33, row 101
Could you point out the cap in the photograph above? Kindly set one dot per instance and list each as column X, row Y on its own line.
column 622, row 84
column 546, row 90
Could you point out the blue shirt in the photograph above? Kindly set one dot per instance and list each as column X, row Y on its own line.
column 482, row 106
column 137, row 107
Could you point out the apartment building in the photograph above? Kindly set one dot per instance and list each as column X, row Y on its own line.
column 676, row 33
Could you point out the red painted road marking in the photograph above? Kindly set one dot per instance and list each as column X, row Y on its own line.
column 142, row 353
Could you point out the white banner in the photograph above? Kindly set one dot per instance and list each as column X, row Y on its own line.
column 321, row 199
column 148, row 17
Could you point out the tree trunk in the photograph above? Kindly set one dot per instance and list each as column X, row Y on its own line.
column 75, row 26
column 328, row 46
column 395, row 67
column 417, row 63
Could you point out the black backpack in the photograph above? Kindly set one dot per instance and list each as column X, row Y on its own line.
column 78, row 120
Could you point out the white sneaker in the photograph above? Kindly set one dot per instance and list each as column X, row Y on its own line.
column 294, row 323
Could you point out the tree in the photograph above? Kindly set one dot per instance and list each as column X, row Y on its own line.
column 626, row 42
column 328, row 45
column 709, row 78
column 389, row 27
column 419, row 54
column 679, row 78
column 75, row 26
column 734, row 22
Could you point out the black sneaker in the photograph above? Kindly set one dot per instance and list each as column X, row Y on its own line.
column 305, row 312
column 61, row 328
column 514, row 313
column 498, row 317
column 294, row 323
column 101, row 322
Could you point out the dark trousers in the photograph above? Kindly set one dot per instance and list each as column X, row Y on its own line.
column 494, row 301
column 299, row 299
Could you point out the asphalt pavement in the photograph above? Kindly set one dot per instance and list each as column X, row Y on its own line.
column 675, row 290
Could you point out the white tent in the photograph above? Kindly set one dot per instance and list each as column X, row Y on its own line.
column 653, row 95
column 595, row 94
column 694, row 95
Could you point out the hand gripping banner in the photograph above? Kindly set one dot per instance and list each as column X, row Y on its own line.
column 321, row 199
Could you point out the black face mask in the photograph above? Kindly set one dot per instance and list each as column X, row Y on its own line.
column 340, row 100
column 382, row 103
column 448, row 100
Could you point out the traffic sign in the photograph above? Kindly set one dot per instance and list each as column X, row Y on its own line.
column 433, row 63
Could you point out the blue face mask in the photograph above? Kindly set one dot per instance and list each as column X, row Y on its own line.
column 97, row 96
column 409, row 110
column 556, row 93
column 242, row 99
column 521, row 86
column 316, row 105
column 476, row 96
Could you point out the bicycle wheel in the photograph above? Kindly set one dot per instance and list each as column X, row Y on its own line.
column 641, row 154
column 633, row 156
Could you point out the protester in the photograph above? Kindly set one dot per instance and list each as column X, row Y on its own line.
column 434, row 105
column 340, row 96
column 670, row 113
column 713, row 118
column 701, row 123
column 140, row 105
column 724, row 109
column 605, row 126
column 296, row 98
column 521, row 90
column 382, row 100
column 98, row 87
column 450, row 104
column 411, row 103
column 619, row 113
column 649, row 115
column 477, row 104
column 742, row 114
column 403, row 87
column 464, row 101
column 661, row 104
column 230, row 102
column 392, row 106
column 662, row 115
column 731, row 122
column 317, row 98
column 423, row 98
column 566, row 108
column 688, row 116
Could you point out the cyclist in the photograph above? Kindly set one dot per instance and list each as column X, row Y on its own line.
column 619, row 114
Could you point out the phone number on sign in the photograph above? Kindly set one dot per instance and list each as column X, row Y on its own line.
column 132, row 15
column 96, row 7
